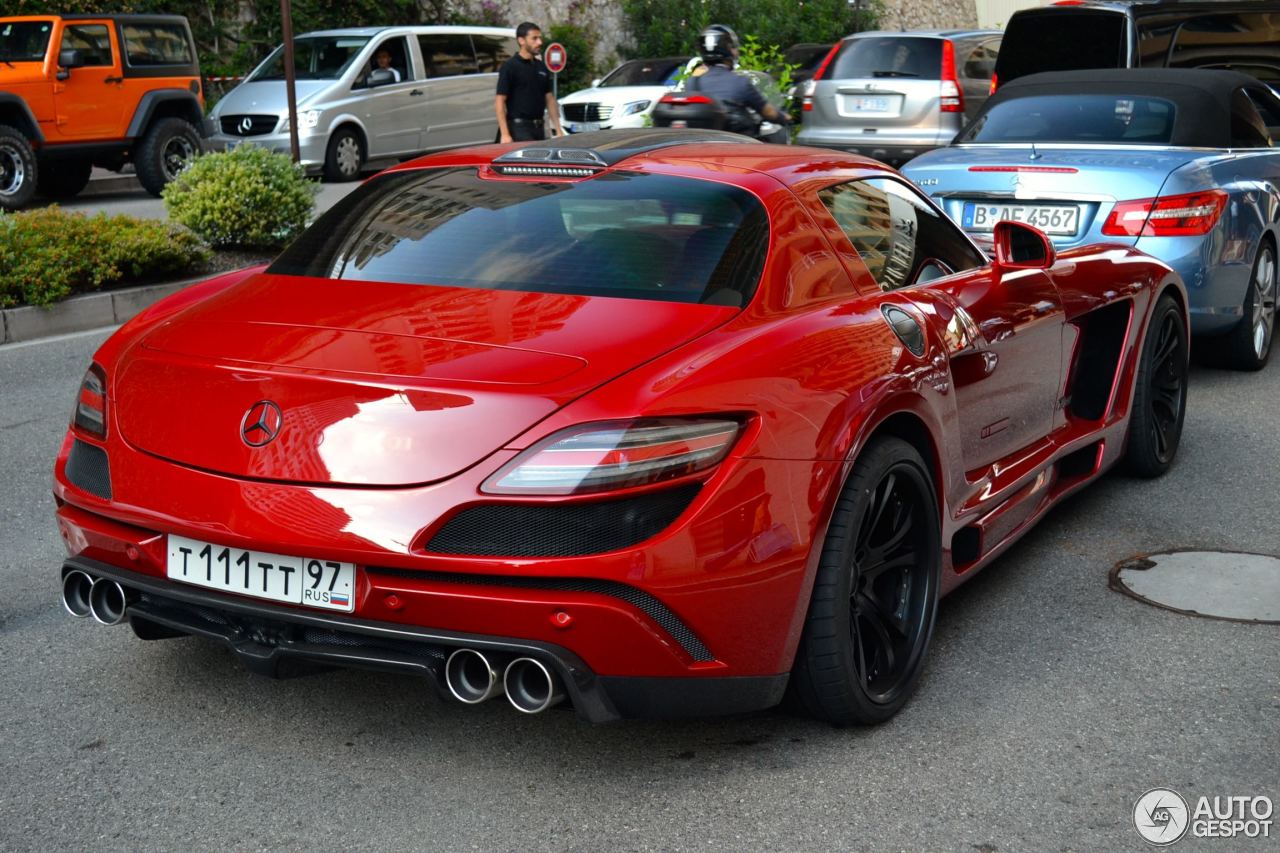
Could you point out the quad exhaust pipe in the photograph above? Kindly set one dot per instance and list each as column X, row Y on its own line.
column 103, row 599
column 474, row 677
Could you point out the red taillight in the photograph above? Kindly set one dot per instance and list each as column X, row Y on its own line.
column 603, row 457
column 831, row 54
column 995, row 82
column 91, row 403
column 672, row 98
column 952, row 96
column 1189, row 215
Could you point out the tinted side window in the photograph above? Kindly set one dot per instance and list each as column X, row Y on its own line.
column 1247, row 129
column 156, row 44
column 492, row 51
column 1269, row 109
column 982, row 62
column 447, row 54
column 91, row 40
column 1061, row 41
column 900, row 237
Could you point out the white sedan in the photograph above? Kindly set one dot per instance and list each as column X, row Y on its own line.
column 625, row 97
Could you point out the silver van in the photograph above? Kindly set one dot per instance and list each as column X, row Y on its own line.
column 437, row 92
column 893, row 95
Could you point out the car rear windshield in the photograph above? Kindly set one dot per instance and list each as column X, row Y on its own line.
column 314, row 58
column 630, row 235
column 1124, row 119
column 1243, row 41
column 1061, row 40
column 645, row 72
column 888, row 56
column 24, row 41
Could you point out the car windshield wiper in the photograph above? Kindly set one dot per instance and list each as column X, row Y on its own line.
column 893, row 74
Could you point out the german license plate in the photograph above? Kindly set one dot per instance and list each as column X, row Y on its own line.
column 326, row 584
column 1057, row 219
column 869, row 105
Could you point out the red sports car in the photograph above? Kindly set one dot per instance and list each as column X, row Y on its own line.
column 655, row 422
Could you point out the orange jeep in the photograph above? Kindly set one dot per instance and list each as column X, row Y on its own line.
column 83, row 90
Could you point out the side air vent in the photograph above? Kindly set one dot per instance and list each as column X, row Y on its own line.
column 88, row 469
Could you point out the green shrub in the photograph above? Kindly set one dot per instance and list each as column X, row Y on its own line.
column 247, row 196
column 48, row 254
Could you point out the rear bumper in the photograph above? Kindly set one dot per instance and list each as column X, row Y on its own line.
column 886, row 150
column 277, row 642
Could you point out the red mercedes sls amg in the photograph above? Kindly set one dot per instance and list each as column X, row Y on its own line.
column 655, row 422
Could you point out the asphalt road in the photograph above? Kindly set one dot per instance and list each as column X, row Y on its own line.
column 1049, row 704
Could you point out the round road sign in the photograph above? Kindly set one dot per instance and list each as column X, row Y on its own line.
column 555, row 57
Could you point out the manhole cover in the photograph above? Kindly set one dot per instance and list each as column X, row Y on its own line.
column 1218, row 584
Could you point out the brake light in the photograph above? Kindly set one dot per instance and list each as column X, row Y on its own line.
column 995, row 82
column 1048, row 170
column 603, row 457
column 91, row 403
column 672, row 98
column 831, row 54
column 1189, row 215
column 952, row 98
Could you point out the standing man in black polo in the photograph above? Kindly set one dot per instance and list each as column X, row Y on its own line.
column 524, row 91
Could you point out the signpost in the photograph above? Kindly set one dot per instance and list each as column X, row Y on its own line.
column 555, row 57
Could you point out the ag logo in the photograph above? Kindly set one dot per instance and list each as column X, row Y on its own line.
column 1161, row 816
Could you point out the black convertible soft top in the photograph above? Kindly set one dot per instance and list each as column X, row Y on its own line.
column 1201, row 97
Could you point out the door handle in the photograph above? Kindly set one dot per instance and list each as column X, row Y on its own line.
column 417, row 92
column 112, row 79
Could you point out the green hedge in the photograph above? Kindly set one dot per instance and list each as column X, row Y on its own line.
column 247, row 196
column 49, row 254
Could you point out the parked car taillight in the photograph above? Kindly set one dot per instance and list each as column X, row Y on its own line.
column 995, row 82
column 1188, row 215
column 806, row 94
column 952, row 100
column 91, row 403
column 681, row 99
column 602, row 457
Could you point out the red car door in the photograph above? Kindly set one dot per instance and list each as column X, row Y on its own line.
column 1006, row 365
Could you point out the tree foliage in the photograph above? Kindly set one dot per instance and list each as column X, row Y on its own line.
column 669, row 27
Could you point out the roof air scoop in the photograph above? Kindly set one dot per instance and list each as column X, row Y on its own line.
column 550, row 162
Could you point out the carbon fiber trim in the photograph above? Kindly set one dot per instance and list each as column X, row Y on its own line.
column 88, row 469
column 560, row 530
column 639, row 599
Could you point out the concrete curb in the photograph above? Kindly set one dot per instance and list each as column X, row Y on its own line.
column 111, row 186
column 88, row 311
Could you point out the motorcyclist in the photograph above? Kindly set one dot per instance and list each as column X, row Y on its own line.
column 718, row 47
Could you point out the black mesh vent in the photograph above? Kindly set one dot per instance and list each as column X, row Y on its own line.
column 87, row 469
column 639, row 599
column 559, row 530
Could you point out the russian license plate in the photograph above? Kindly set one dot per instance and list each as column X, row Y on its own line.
column 1055, row 219
column 583, row 126
column 326, row 584
column 869, row 105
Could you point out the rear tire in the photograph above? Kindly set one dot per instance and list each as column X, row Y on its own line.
column 63, row 178
column 168, row 147
column 875, row 598
column 1248, row 346
column 344, row 156
column 1159, row 394
column 18, row 170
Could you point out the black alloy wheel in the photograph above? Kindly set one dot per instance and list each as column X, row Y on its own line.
column 1248, row 345
column 168, row 147
column 1160, row 393
column 18, row 169
column 875, row 597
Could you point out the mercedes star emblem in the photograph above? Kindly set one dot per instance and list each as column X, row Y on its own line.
column 246, row 124
column 261, row 423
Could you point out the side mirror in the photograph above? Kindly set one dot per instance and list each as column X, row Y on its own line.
column 1022, row 247
column 68, row 59
column 380, row 77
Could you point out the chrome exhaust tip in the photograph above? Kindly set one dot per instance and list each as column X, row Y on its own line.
column 107, row 601
column 75, row 593
column 471, row 677
column 531, row 687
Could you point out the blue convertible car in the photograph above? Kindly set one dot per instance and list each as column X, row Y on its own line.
column 1177, row 162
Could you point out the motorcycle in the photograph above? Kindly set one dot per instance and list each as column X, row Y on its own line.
column 683, row 108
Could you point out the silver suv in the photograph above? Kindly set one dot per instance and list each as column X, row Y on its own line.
column 895, row 95
column 437, row 92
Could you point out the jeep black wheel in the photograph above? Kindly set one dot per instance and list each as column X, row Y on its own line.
column 344, row 157
column 875, row 597
column 18, row 169
column 167, row 148
column 63, row 178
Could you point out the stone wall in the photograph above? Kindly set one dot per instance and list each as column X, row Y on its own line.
column 928, row 14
